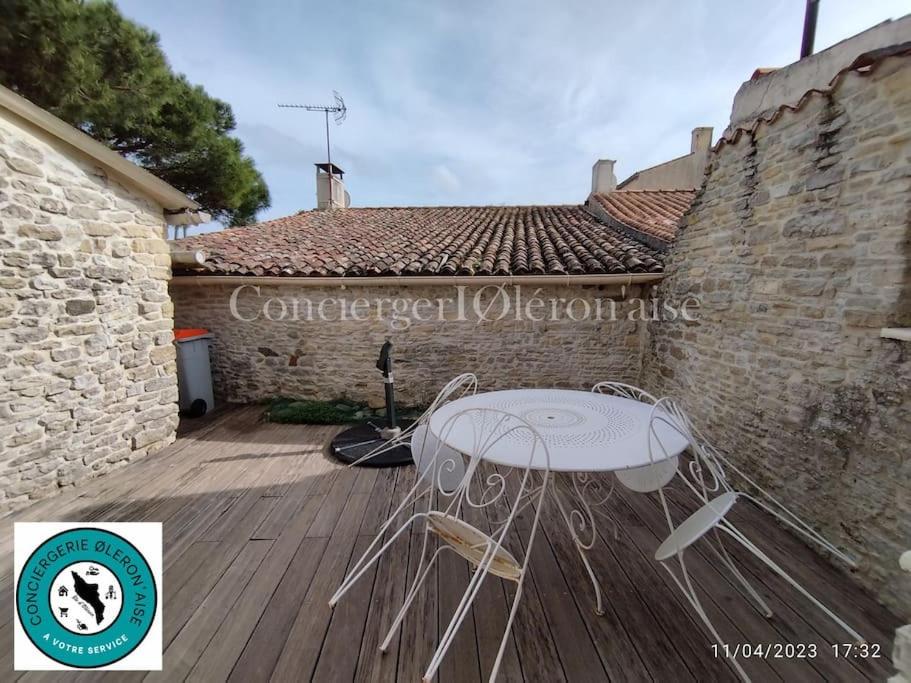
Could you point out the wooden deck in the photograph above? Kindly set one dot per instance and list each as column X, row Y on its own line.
column 260, row 526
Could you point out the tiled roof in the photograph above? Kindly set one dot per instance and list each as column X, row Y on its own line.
column 455, row 240
column 652, row 212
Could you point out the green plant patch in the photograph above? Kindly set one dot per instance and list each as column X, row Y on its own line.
column 298, row 411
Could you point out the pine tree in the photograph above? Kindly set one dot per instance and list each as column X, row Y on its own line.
column 106, row 75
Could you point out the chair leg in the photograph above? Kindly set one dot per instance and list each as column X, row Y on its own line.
column 461, row 611
column 512, row 616
column 352, row 578
column 689, row 592
column 746, row 543
column 580, row 547
column 420, row 576
column 410, row 498
column 721, row 552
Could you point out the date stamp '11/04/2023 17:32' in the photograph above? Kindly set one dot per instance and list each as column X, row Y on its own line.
column 796, row 650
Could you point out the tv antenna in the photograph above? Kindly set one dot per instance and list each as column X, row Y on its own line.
column 338, row 110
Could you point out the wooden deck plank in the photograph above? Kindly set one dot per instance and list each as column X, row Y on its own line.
column 309, row 628
column 187, row 598
column 649, row 590
column 724, row 593
column 186, row 647
column 71, row 507
column 461, row 661
column 284, row 510
column 719, row 606
column 339, row 657
column 536, row 642
column 418, row 640
column 336, row 501
column 620, row 633
column 216, row 663
column 259, row 526
column 788, row 618
column 269, row 637
column 384, row 497
column 873, row 621
column 389, row 585
column 339, row 653
column 577, row 653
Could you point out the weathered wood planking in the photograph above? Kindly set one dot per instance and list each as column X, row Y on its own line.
column 260, row 526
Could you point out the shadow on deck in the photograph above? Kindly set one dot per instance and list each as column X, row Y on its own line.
column 260, row 527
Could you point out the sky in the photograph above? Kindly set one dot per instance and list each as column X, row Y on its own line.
column 479, row 101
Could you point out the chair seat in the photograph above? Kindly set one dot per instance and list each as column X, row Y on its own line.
column 696, row 526
column 471, row 543
column 648, row 478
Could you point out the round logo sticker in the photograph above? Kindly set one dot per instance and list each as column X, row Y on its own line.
column 86, row 598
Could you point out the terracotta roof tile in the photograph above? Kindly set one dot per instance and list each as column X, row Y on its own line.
column 455, row 240
column 652, row 212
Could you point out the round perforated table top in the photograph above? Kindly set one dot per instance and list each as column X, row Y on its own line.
column 583, row 431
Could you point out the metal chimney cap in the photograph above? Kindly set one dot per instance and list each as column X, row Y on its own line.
column 330, row 168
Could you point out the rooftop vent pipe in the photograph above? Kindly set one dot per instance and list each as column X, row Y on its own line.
column 809, row 28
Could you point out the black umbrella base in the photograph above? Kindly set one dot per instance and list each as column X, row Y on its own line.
column 356, row 442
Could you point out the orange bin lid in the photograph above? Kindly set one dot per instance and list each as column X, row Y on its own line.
column 186, row 332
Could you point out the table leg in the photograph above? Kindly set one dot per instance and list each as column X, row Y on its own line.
column 579, row 522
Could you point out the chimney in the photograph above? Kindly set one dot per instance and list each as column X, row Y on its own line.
column 701, row 142
column 330, row 188
column 603, row 178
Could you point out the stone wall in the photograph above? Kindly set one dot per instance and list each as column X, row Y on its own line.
column 87, row 369
column 761, row 96
column 798, row 246
column 258, row 358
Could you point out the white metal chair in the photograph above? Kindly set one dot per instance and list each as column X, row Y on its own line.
column 445, row 521
column 459, row 386
column 624, row 391
column 708, row 469
column 437, row 465
column 436, row 462
column 647, row 478
column 706, row 479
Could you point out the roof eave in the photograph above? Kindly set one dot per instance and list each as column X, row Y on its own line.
column 420, row 280
column 169, row 197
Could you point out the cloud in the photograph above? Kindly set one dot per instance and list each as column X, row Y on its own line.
column 270, row 146
column 506, row 102
column 445, row 179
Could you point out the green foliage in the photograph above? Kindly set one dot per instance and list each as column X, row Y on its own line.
column 87, row 64
column 342, row 411
column 313, row 412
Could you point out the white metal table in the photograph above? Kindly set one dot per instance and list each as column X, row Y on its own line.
column 584, row 432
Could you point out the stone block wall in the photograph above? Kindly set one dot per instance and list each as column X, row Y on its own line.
column 798, row 247
column 258, row 358
column 87, row 367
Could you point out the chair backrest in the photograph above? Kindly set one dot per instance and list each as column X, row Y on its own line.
column 440, row 464
column 465, row 384
column 647, row 478
column 481, row 431
column 457, row 387
column 704, row 473
column 708, row 475
column 624, row 391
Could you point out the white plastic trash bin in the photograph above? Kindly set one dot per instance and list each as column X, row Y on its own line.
column 194, row 373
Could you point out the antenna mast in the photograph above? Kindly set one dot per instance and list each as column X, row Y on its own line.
column 339, row 112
